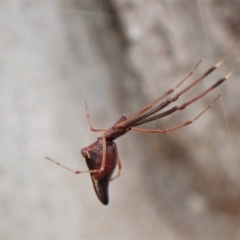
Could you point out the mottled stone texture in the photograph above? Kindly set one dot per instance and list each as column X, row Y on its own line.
column 119, row 55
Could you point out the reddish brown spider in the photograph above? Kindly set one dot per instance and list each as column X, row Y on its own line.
column 102, row 156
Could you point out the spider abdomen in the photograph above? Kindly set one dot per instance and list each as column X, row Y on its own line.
column 93, row 156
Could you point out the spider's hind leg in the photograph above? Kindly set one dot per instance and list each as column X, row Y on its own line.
column 162, row 131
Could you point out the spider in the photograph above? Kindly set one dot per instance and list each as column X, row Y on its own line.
column 102, row 156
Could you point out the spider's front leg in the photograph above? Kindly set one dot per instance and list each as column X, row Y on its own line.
column 168, row 92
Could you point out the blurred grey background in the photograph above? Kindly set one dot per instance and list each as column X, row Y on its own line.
column 119, row 55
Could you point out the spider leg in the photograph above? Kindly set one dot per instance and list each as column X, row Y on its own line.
column 85, row 171
column 139, row 119
column 211, row 69
column 146, row 118
column 103, row 154
column 160, row 131
column 71, row 170
column 220, row 81
column 146, row 108
column 90, row 122
column 119, row 170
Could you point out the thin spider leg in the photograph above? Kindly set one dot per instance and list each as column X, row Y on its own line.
column 71, row 170
column 103, row 154
column 176, row 108
column 159, row 131
column 211, row 69
column 146, row 108
column 175, row 98
column 90, row 122
column 220, row 81
column 86, row 171
column 119, row 170
column 155, row 117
